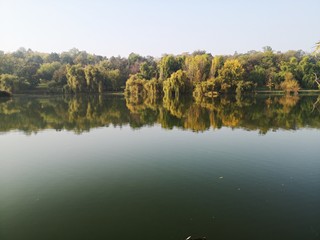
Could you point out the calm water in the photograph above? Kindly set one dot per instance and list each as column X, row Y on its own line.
column 108, row 168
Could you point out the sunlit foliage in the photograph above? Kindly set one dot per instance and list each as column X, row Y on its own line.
column 75, row 71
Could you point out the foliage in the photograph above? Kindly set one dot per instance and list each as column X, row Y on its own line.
column 135, row 85
column 290, row 85
column 231, row 72
column 47, row 70
column 11, row 83
column 177, row 85
column 216, row 65
column 198, row 67
column 205, row 89
column 76, row 78
column 76, row 71
column 168, row 65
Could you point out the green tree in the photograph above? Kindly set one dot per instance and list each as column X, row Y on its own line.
column 135, row 86
column 231, row 72
column 258, row 75
column 177, row 85
column 114, row 77
column 60, row 76
column 168, row 65
column 52, row 57
column 46, row 70
column 76, row 78
column 307, row 68
column 94, row 79
column 148, row 70
column 11, row 83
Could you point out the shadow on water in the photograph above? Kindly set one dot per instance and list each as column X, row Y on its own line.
column 261, row 113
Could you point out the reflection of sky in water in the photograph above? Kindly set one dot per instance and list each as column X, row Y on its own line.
column 159, row 184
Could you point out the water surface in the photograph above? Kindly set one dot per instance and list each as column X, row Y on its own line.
column 111, row 168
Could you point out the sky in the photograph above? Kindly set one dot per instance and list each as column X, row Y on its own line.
column 147, row 27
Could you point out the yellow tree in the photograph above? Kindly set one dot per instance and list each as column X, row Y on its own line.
column 290, row 84
column 230, row 74
column 198, row 67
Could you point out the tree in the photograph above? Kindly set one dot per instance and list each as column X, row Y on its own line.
column 66, row 58
column 267, row 49
column 11, row 83
column 290, row 84
column 198, row 67
column 317, row 47
column 168, row 65
column 52, row 57
column 94, row 79
column 134, row 61
column 177, row 85
column 76, row 78
column 307, row 69
column 216, row 65
column 114, row 76
column 231, row 72
column 258, row 75
column 205, row 88
column 47, row 70
column 60, row 76
column 135, row 85
column 317, row 80
column 148, row 70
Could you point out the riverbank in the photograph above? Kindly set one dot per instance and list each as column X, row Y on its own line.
column 47, row 93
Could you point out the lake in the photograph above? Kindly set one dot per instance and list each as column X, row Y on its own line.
column 106, row 167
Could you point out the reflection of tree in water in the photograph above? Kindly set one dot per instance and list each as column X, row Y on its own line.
column 316, row 105
column 197, row 118
column 81, row 113
column 262, row 113
column 288, row 102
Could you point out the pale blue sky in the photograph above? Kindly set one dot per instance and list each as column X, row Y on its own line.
column 156, row 27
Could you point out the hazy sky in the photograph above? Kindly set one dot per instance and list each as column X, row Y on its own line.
column 150, row 27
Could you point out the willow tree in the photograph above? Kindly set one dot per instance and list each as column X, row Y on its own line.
column 177, row 84
column 94, row 79
column 135, row 86
column 216, row 65
column 76, row 78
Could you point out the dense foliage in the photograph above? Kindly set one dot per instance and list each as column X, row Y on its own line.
column 199, row 73
column 208, row 75
column 73, row 71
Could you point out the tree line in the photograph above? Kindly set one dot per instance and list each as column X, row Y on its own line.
column 73, row 71
column 199, row 73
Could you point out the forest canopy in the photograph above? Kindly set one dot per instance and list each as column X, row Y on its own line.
column 198, row 73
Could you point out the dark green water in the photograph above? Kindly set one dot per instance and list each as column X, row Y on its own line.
column 108, row 168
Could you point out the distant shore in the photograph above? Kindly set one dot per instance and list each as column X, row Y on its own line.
column 121, row 93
